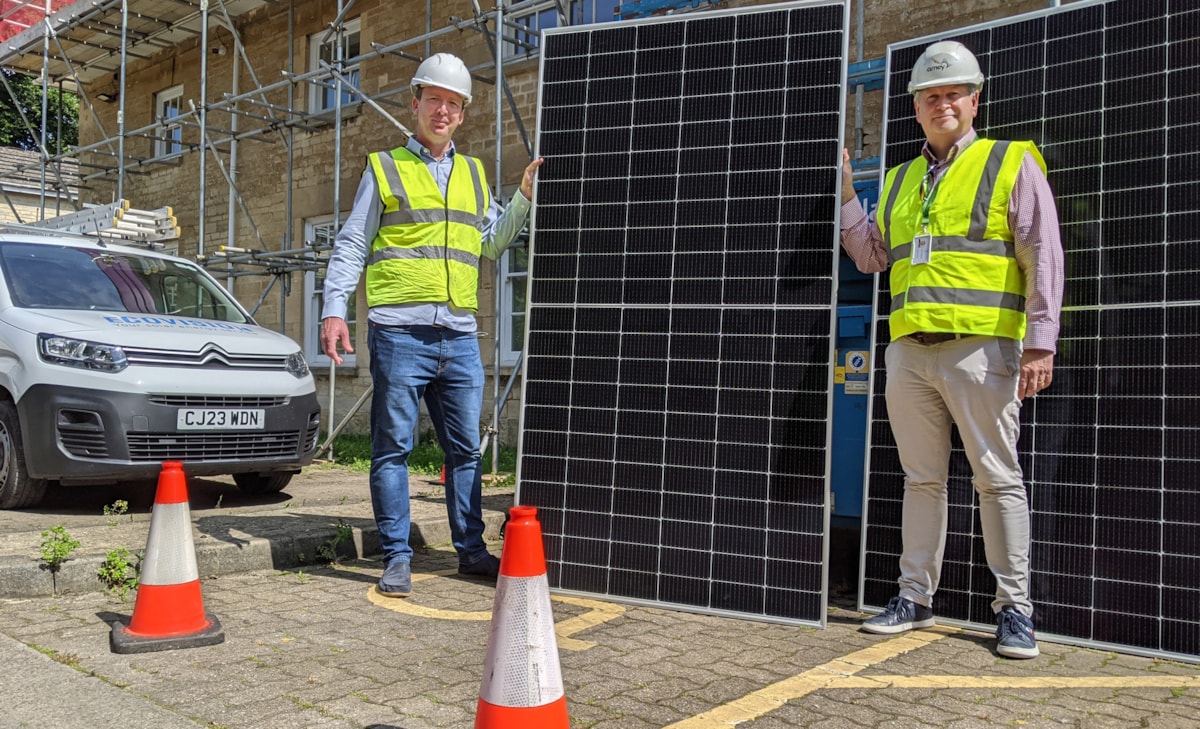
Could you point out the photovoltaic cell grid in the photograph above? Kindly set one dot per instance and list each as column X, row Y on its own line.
column 676, row 391
column 1111, row 93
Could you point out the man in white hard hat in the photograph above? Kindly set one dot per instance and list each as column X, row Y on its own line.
column 970, row 231
column 422, row 217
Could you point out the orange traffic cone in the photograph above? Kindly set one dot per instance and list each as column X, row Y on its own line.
column 522, row 682
column 169, row 611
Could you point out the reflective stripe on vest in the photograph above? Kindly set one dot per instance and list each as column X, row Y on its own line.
column 972, row 284
column 428, row 246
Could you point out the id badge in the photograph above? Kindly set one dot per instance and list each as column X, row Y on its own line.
column 921, row 246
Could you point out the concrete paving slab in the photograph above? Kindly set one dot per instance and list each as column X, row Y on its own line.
column 310, row 644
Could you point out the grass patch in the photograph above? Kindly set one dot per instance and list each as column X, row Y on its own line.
column 353, row 451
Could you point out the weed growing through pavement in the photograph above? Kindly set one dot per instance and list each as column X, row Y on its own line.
column 67, row 659
column 118, row 574
column 328, row 550
column 57, row 546
column 118, row 508
column 220, row 497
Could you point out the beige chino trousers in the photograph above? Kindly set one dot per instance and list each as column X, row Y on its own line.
column 972, row 383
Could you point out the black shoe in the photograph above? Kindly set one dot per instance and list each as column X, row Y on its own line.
column 900, row 615
column 1014, row 634
column 487, row 567
column 396, row 580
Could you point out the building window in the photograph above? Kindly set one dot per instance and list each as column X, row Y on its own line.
column 322, row 231
column 514, row 275
column 322, row 95
column 524, row 28
column 167, row 107
column 594, row 11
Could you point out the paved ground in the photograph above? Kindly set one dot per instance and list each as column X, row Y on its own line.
column 311, row 645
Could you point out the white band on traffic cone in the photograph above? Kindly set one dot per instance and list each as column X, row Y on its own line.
column 170, row 557
column 521, row 668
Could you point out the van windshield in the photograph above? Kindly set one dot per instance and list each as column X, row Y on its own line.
column 64, row 277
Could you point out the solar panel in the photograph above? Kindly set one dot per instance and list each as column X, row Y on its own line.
column 676, row 386
column 1110, row 91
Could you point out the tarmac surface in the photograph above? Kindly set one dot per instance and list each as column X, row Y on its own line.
column 308, row 643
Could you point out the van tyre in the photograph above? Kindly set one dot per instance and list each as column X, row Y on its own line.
column 17, row 489
column 255, row 484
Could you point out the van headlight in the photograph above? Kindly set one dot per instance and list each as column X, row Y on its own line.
column 81, row 353
column 297, row 365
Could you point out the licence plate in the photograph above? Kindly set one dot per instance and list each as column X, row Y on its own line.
column 220, row 419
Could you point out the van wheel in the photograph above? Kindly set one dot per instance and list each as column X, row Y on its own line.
column 17, row 489
column 255, row 484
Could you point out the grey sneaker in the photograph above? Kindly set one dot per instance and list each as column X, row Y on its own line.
column 1014, row 635
column 900, row 615
column 396, row 580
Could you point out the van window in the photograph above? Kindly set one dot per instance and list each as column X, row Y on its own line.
column 64, row 277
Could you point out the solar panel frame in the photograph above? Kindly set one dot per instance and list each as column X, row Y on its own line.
column 1115, row 563
column 709, row 513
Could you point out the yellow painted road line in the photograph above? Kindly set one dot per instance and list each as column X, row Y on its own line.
column 598, row 612
column 408, row 607
column 1014, row 682
column 769, row 698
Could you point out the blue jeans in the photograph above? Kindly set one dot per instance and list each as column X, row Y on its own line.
column 443, row 366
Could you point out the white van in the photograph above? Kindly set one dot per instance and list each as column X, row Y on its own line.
column 115, row 358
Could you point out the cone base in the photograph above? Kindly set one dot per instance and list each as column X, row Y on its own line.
column 166, row 610
column 123, row 641
column 547, row 716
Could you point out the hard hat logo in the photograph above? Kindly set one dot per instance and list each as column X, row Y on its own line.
column 444, row 71
column 945, row 63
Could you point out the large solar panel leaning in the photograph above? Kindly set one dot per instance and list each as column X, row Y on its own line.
column 1110, row 92
column 677, row 377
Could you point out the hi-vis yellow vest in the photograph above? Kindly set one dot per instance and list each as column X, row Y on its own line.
column 972, row 284
column 428, row 246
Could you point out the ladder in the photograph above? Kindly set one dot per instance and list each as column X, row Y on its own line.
column 117, row 221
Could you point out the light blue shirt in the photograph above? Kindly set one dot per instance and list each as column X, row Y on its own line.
column 352, row 247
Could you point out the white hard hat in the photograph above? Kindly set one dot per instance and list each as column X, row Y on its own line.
column 945, row 63
column 444, row 71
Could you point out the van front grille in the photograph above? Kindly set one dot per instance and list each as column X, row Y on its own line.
column 83, row 443
column 209, row 357
column 310, row 438
column 218, row 401
column 201, row 447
